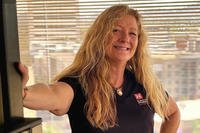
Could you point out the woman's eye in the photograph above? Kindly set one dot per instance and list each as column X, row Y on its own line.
column 116, row 30
column 132, row 34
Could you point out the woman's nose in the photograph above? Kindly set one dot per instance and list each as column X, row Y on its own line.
column 124, row 37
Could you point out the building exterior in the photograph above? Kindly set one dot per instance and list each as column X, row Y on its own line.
column 180, row 75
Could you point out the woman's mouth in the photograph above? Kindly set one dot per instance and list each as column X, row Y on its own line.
column 121, row 48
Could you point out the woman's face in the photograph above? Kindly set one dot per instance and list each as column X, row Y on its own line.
column 124, row 40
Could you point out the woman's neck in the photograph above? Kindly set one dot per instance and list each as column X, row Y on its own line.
column 116, row 76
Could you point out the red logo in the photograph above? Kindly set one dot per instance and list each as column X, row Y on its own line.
column 138, row 96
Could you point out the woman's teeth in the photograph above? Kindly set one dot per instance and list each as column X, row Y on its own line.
column 122, row 48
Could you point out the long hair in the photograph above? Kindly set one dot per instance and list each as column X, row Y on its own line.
column 91, row 66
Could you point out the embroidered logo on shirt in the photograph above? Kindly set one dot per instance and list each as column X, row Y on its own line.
column 141, row 101
column 138, row 96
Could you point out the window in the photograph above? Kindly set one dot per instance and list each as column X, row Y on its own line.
column 51, row 32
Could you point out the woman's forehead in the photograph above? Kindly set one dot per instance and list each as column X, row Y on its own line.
column 128, row 21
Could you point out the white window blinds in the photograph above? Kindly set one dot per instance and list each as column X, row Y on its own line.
column 51, row 31
column 56, row 25
column 173, row 26
column 54, row 29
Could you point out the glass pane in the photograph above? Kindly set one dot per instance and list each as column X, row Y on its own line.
column 50, row 33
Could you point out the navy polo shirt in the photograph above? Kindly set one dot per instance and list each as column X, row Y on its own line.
column 134, row 112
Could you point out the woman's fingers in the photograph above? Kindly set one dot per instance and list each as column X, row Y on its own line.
column 24, row 71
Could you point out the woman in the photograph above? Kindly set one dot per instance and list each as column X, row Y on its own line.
column 110, row 86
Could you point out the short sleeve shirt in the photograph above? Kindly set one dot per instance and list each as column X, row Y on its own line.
column 134, row 112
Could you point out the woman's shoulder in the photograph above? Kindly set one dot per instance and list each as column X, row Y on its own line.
column 67, row 79
column 73, row 81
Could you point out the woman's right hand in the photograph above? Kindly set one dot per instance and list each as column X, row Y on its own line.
column 25, row 76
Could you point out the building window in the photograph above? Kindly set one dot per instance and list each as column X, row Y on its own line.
column 50, row 33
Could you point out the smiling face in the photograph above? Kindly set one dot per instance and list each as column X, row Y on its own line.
column 124, row 40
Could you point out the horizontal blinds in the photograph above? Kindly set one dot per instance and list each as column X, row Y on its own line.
column 51, row 31
column 173, row 26
column 55, row 26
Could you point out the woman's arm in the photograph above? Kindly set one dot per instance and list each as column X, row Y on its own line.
column 56, row 97
column 171, row 124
